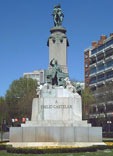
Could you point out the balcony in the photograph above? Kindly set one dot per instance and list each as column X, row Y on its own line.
column 100, row 51
column 101, row 104
column 100, row 72
column 108, row 68
column 109, row 47
column 102, row 115
column 93, row 85
column 110, row 79
column 109, row 58
column 94, row 115
column 100, row 62
column 93, row 74
column 110, row 114
column 101, row 82
column 93, row 55
column 109, row 102
column 92, row 65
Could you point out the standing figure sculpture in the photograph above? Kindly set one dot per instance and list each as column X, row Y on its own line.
column 56, row 69
column 57, row 16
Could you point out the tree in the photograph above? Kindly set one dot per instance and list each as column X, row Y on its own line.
column 87, row 100
column 19, row 97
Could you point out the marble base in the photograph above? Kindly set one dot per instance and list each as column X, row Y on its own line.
column 57, row 123
column 57, row 104
column 56, row 117
column 56, row 134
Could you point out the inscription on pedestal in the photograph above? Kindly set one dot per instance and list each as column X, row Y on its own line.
column 56, row 106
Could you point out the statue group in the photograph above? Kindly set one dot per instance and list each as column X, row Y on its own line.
column 54, row 75
column 57, row 16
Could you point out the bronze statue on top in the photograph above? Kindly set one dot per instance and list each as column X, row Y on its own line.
column 57, row 15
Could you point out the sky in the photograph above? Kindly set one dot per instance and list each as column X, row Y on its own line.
column 25, row 28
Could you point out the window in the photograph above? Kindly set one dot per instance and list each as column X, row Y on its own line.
column 101, row 77
column 101, row 67
column 109, row 53
column 86, row 73
column 101, row 109
column 109, row 108
column 41, row 77
column 86, row 64
column 101, row 47
column 86, row 55
column 93, row 80
column 100, row 57
column 93, row 89
column 109, row 64
column 94, row 109
column 87, row 83
column 109, row 74
column 109, row 43
column 93, row 71
column 93, row 51
column 92, row 60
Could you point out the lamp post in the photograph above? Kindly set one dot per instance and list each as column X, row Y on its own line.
column 108, row 122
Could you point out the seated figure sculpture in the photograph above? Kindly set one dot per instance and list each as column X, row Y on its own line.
column 54, row 75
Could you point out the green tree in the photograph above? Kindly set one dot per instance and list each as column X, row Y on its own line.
column 87, row 100
column 19, row 97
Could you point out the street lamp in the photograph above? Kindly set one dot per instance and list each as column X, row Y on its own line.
column 109, row 122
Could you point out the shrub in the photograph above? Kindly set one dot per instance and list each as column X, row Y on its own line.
column 3, row 147
column 44, row 150
column 11, row 149
column 107, row 134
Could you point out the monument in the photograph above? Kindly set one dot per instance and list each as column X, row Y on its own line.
column 58, row 41
column 57, row 110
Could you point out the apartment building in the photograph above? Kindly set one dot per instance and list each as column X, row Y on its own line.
column 38, row 75
column 98, row 61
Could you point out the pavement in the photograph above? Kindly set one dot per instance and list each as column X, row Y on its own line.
column 4, row 136
column 54, row 144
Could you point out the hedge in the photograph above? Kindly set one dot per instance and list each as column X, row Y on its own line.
column 26, row 150
column 107, row 134
column 2, row 147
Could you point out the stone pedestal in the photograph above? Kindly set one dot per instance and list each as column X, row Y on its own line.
column 57, row 104
column 58, row 43
column 56, row 117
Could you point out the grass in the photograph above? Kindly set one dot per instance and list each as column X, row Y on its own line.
column 106, row 152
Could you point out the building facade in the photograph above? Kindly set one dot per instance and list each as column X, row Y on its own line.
column 38, row 75
column 98, row 61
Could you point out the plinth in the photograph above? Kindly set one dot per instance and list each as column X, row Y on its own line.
column 58, row 43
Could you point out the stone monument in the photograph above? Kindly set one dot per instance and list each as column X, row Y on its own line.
column 58, row 41
column 57, row 110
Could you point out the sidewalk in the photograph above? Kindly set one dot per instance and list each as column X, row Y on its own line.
column 5, row 136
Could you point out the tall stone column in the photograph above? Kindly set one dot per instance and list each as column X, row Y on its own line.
column 58, row 43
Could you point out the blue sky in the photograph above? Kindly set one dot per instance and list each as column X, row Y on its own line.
column 24, row 31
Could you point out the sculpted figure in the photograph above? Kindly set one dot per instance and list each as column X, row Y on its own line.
column 38, row 90
column 69, row 86
column 57, row 15
column 54, row 75
column 56, row 69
